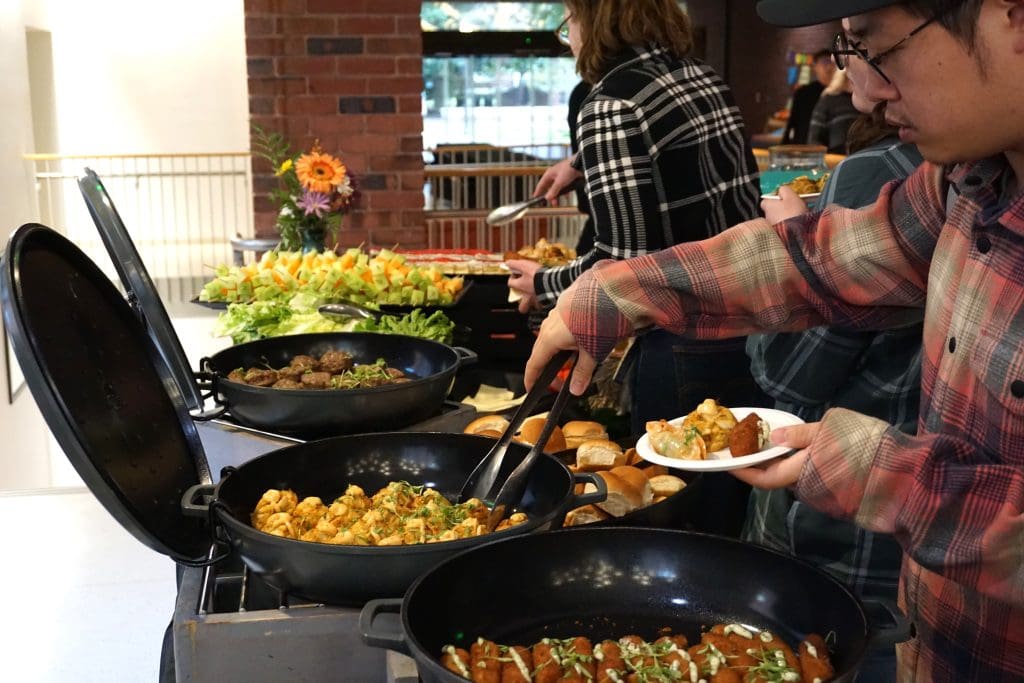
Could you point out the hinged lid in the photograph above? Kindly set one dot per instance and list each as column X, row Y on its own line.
column 142, row 294
column 105, row 392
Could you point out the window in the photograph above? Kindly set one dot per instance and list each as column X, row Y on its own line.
column 494, row 73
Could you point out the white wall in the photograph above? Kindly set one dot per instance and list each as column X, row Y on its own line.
column 129, row 77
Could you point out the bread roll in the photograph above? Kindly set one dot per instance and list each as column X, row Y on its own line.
column 652, row 470
column 531, row 429
column 578, row 431
column 487, row 423
column 632, row 457
column 599, row 454
column 637, row 480
column 585, row 515
column 666, row 484
column 623, row 497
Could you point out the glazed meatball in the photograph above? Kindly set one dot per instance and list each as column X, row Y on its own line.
column 287, row 383
column 237, row 375
column 291, row 372
column 316, row 380
column 335, row 362
column 260, row 377
column 395, row 373
column 304, row 363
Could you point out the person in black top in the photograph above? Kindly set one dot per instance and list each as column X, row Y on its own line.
column 585, row 242
column 804, row 99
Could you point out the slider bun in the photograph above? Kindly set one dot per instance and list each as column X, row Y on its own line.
column 666, row 485
column 578, row 431
column 623, row 497
column 632, row 457
column 599, row 454
column 652, row 470
column 532, row 428
column 588, row 514
column 638, row 480
column 492, row 423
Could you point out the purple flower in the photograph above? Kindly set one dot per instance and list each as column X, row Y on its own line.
column 314, row 203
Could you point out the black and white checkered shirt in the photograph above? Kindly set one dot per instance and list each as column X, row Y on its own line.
column 664, row 154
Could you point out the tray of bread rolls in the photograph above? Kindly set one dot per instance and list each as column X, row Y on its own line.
column 639, row 493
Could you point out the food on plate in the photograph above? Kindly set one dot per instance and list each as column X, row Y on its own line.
column 530, row 431
column 487, row 423
column 578, row 431
column 398, row 514
column 548, row 254
column 713, row 421
column 676, row 441
column 750, row 435
column 599, row 454
column 333, row 370
column 726, row 653
column 805, row 184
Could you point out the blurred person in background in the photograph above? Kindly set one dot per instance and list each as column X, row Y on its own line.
column 798, row 125
column 833, row 115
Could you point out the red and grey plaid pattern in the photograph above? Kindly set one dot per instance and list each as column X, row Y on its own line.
column 954, row 494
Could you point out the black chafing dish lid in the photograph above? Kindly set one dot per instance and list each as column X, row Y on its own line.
column 142, row 294
column 103, row 389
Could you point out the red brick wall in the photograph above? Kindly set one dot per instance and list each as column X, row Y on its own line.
column 348, row 72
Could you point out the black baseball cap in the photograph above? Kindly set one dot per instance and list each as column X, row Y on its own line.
column 793, row 13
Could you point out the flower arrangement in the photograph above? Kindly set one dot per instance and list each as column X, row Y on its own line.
column 316, row 191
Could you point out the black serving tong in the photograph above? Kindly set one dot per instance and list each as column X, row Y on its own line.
column 483, row 482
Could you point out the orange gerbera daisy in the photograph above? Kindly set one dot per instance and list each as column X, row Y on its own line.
column 319, row 172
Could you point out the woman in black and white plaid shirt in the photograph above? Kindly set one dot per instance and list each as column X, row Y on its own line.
column 664, row 155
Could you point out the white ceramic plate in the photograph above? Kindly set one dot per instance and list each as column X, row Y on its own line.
column 813, row 195
column 720, row 461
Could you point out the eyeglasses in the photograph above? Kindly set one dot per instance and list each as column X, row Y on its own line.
column 562, row 32
column 843, row 47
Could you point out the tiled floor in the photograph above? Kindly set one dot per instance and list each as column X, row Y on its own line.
column 85, row 600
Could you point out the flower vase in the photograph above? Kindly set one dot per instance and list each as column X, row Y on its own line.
column 313, row 239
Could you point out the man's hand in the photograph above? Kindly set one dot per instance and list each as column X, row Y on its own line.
column 556, row 180
column 788, row 205
column 782, row 472
column 555, row 336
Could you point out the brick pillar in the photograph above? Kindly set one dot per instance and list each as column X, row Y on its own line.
column 349, row 72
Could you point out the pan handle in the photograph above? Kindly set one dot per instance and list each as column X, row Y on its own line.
column 374, row 638
column 466, row 356
column 597, row 496
column 885, row 635
column 190, row 507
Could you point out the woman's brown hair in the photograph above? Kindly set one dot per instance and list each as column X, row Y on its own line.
column 607, row 27
column 869, row 130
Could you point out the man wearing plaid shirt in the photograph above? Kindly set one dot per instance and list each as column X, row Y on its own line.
column 946, row 245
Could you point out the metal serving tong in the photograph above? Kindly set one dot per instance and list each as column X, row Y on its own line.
column 511, row 212
column 483, row 482
column 344, row 310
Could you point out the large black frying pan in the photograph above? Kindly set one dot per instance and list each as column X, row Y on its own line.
column 310, row 413
column 611, row 582
column 347, row 575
